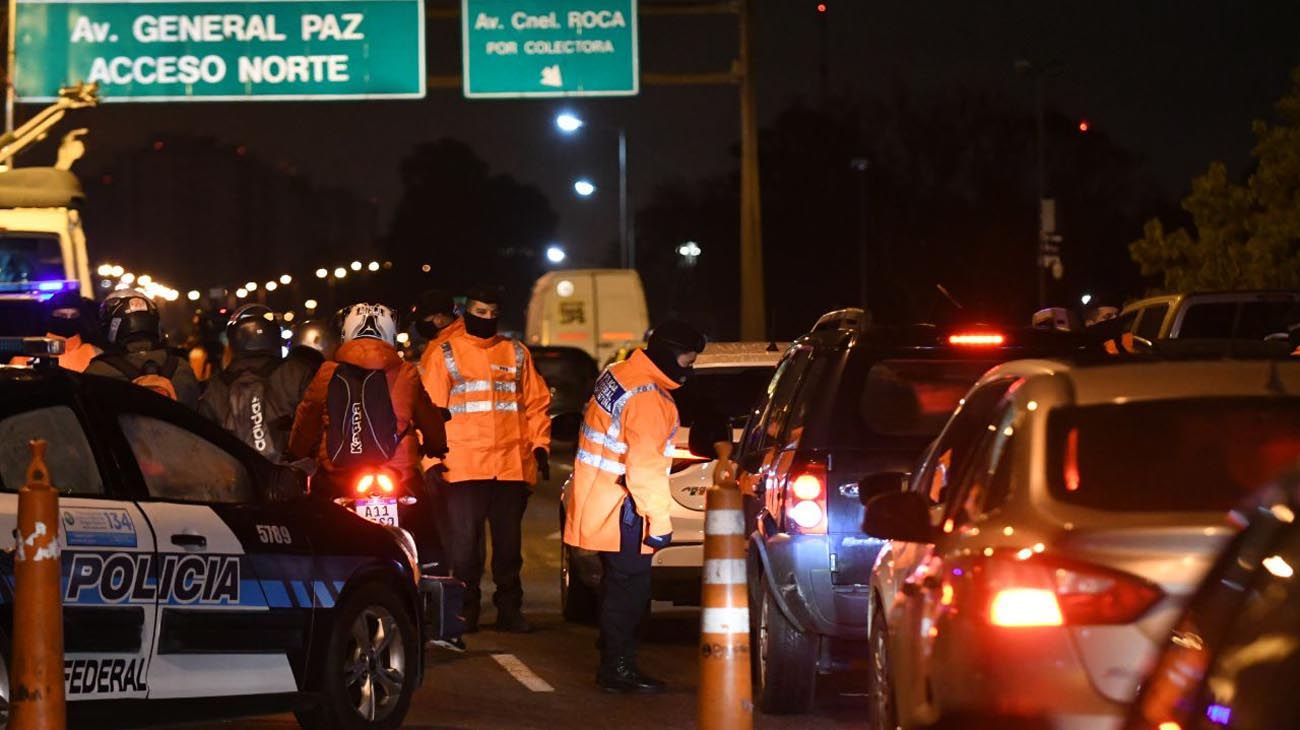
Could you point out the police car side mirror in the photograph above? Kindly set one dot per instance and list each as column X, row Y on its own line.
column 564, row 426
column 287, row 484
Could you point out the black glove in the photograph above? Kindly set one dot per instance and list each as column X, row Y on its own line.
column 659, row 542
column 543, row 462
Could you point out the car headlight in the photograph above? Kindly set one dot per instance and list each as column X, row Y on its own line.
column 407, row 541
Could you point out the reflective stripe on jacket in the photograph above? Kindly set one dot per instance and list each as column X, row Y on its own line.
column 623, row 450
column 498, row 402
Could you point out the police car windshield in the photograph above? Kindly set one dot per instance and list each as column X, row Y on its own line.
column 721, row 392
column 30, row 257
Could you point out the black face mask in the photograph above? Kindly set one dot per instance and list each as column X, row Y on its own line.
column 666, row 360
column 427, row 329
column 480, row 326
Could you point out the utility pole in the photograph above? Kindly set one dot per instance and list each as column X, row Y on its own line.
column 859, row 165
column 752, row 295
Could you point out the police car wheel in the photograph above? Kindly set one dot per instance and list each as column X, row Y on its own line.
column 368, row 676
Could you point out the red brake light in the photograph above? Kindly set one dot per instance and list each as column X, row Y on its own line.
column 1025, row 607
column 365, row 483
column 1103, row 597
column 806, row 498
column 385, row 483
column 977, row 339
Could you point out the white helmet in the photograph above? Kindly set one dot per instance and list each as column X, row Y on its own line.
column 375, row 321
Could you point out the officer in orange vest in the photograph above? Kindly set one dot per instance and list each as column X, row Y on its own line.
column 618, row 501
column 498, row 439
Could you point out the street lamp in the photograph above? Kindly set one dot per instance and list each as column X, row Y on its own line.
column 569, row 123
column 193, row 295
column 285, row 279
column 1085, row 300
column 690, row 251
column 340, row 272
column 555, row 254
column 584, row 187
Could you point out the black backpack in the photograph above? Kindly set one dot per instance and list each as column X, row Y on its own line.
column 255, row 417
column 362, row 424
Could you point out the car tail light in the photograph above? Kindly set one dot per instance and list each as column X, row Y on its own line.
column 976, row 339
column 805, row 497
column 1023, row 607
column 1019, row 592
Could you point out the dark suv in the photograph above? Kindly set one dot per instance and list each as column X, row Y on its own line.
column 848, row 401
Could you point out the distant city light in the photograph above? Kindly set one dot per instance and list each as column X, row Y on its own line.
column 403, row 338
column 584, row 187
column 690, row 249
column 286, row 334
column 104, row 270
column 286, row 279
column 356, row 265
column 555, row 254
column 251, row 286
column 373, row 266
column 309, row 304
column 1084, row 126
column 193, row 295
column 340, row 272
column 564, row 288
column 144, row 280
column 426, row 268
column 241, row 293
column 288, row 316
column 271, row 286
column 128, row 278
column 322, row 273
column 117, row 271
column 568, row 122
column 1086, row 299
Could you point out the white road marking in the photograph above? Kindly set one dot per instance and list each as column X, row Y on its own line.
column 724, row 522
column 724, row 572
column 522, row 673
column 724, row 621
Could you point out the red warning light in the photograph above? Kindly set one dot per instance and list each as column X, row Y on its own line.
column 1084, row 126
column 821, row 7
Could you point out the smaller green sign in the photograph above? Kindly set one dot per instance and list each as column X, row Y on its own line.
column 530, row 48
column 222, row 50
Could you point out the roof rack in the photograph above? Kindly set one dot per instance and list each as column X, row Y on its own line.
column 849, row 318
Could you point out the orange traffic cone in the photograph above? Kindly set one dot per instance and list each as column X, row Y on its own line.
column 36, row 677
column 725, row 696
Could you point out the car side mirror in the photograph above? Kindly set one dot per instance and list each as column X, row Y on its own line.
column 899, row 516
column 874, row 485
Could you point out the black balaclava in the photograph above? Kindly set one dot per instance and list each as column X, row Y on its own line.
column 429, row 303
column 483, row 327
column 670, row 340
column 70, row 315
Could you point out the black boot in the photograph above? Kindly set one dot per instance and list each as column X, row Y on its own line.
column 621, row 676
column 513, row 623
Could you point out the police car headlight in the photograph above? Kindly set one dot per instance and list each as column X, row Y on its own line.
column 407, row 541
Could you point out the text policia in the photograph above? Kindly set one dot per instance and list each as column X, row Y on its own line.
column 213, row 68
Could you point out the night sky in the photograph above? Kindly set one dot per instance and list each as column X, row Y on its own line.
column 1176, row 82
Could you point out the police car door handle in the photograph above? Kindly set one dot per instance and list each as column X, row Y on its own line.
column 185, row 539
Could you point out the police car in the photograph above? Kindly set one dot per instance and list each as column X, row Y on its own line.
column 198, row 578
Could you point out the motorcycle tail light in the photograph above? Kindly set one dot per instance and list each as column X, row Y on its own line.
column 365, row 483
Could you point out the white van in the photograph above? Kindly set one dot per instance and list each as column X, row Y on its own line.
column 42, row 244
column 595, row 310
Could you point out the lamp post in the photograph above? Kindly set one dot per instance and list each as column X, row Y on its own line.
column 570, row 123
column 1046, row 209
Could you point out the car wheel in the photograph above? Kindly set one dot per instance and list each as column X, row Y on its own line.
column 786, row 660
column 578, row 601
column 369, row 671
column 884, row 711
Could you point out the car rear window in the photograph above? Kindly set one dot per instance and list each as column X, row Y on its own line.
column 1251, row 320
column 728, row 393
column 1134, row 457
column 915, row 397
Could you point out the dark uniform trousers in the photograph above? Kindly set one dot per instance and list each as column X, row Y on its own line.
column 625, row 590
column 465, row 507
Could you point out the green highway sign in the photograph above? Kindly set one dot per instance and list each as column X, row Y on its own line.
column 214, row 50
column 523, row 48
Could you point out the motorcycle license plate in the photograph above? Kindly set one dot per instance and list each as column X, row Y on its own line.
column 381, row 511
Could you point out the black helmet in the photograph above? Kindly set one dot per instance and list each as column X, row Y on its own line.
column 68, row 314
column 129, row 320
column 252, row 328
column 317, row 335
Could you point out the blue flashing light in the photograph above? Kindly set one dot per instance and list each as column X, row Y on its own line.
column 50, row 285
column 1219, row 714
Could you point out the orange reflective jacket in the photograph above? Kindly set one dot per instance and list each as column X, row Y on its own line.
column 623, row 449
column 411, row 406
column 498, row 403
column 77, row 353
